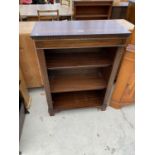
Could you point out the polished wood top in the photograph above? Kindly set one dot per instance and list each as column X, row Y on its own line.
column 57, row 29
column 126, row 24
column 27, row 27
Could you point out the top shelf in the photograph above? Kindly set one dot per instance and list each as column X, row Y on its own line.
column 77, row 60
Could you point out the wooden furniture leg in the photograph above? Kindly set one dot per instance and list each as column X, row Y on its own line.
column 112, row 76
column 43, row 67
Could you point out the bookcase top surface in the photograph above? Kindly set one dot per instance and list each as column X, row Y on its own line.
column 62, row 29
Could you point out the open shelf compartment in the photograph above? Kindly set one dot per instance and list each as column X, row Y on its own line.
column 78, row 58
column 77, row 80
column 83, row 99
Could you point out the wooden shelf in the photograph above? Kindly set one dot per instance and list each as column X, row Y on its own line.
column 77, row 60
column 92, row 16
column 76, row 82
column 71, row 100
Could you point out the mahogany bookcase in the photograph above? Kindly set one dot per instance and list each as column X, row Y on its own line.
column 79, row 61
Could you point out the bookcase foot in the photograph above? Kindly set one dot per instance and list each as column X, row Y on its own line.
column 103, row 108
column 51, row 112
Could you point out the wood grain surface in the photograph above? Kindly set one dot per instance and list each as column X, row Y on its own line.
column 125, row 83
column 28, row 56
column 124, row 91
column 69, row 82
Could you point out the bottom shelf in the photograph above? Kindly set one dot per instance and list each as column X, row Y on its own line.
column 72, row 100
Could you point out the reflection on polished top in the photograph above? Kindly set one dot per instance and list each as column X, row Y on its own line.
column 56, row 29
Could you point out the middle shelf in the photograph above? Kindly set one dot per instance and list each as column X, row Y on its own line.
column 75, row 80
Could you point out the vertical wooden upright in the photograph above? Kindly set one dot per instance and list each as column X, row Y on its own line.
column 117, row 60
column 43, row 67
